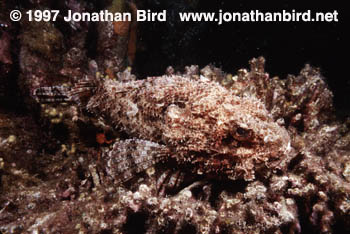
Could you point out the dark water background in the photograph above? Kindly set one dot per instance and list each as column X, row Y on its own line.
column 287, row 47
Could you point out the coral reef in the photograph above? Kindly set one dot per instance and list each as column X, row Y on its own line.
column 100, row 150
column 109, row 188
column 116, row 40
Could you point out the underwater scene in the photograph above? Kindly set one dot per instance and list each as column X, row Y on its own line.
column 177, row 116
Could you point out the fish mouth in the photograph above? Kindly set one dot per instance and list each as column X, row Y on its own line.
column 219, row 163
column 225, row 157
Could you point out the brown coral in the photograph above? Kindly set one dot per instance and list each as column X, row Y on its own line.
column 5, row 44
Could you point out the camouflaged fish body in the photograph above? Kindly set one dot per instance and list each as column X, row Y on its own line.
column 199, row 121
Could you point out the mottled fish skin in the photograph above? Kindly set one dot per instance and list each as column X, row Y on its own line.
column 199, row 121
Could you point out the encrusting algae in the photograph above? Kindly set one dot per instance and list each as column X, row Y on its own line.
column 99, row 150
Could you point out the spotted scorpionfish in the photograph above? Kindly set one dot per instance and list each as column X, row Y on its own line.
column 194, row 122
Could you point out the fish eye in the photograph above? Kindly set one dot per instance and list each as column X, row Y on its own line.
column 241, row 131
column 242, row 134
